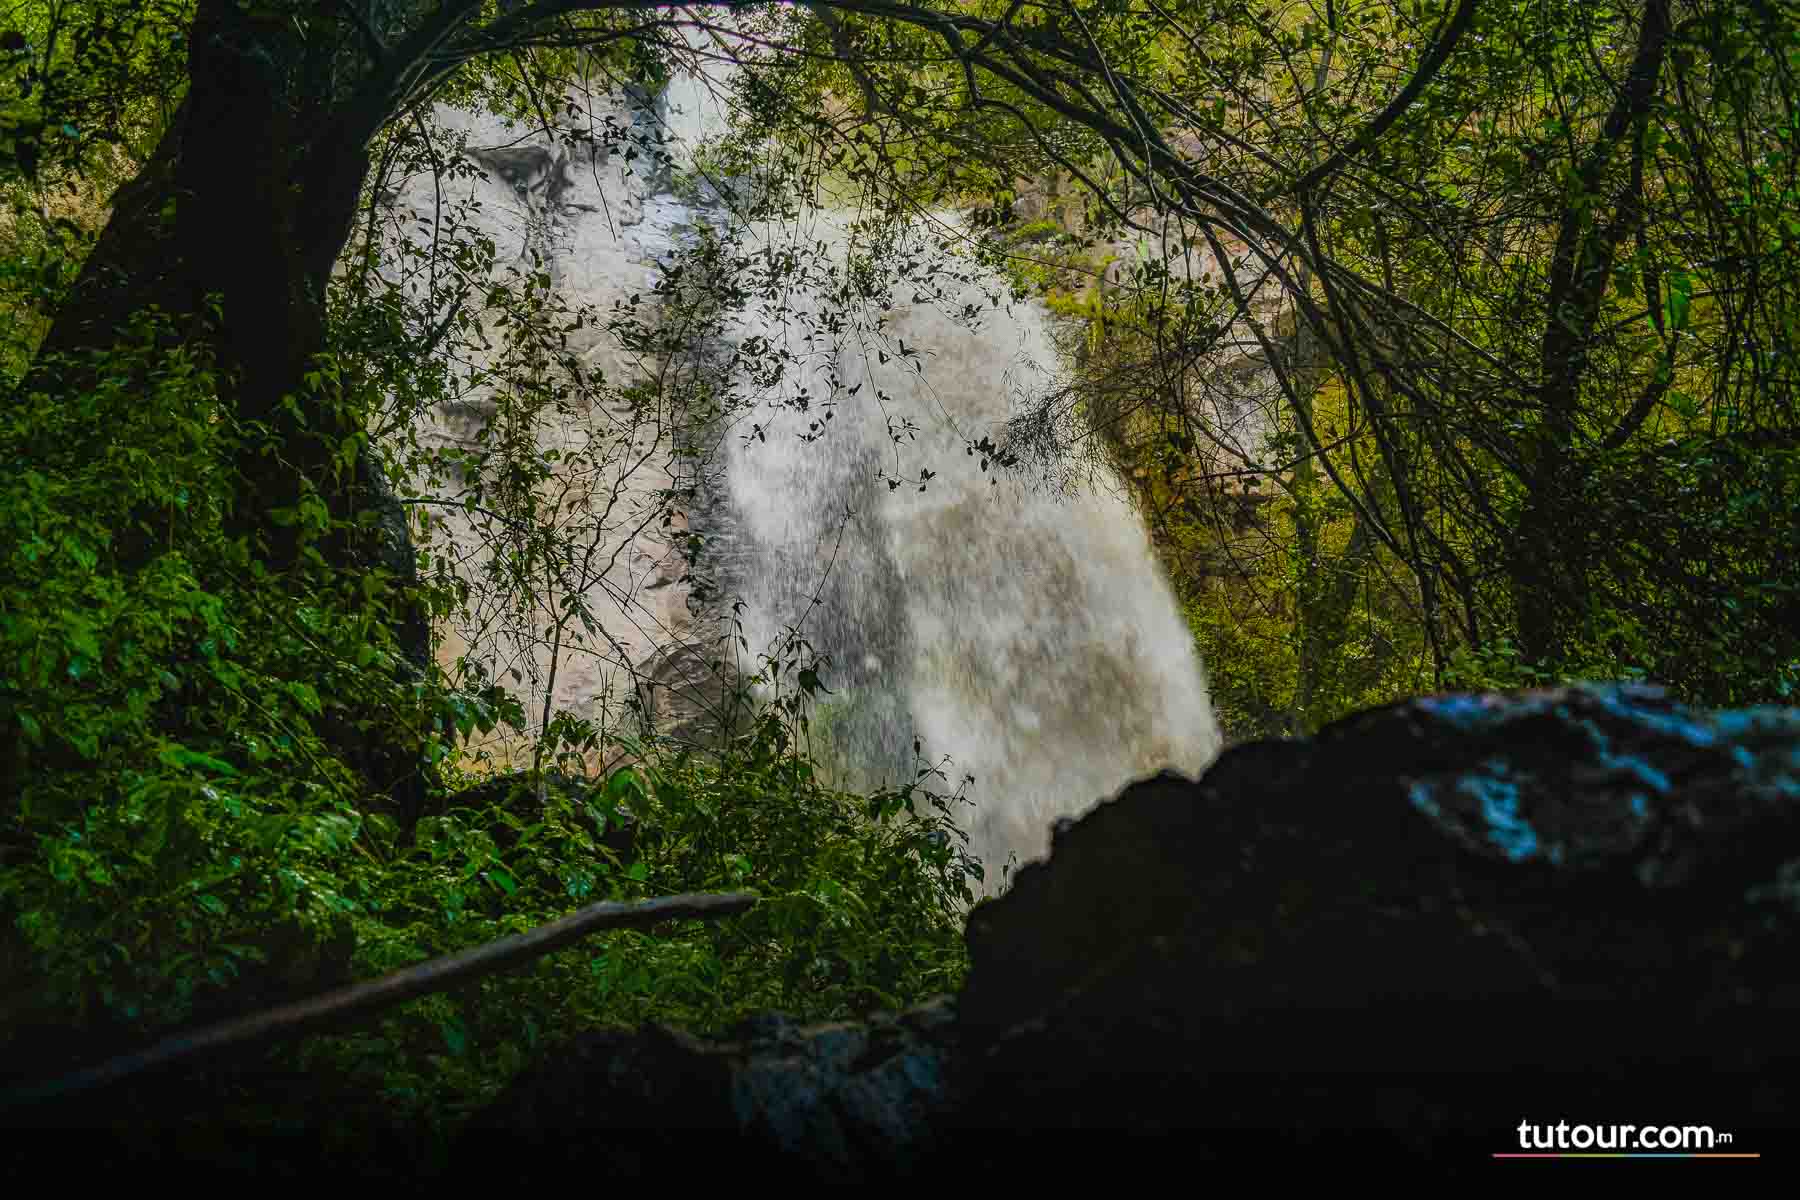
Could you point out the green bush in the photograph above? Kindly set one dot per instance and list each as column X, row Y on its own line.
column 190, row 828
column 861, row 909
column 169, row 800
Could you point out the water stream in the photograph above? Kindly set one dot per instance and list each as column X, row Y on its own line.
column 1032, row 638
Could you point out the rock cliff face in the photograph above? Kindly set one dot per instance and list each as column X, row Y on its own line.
column 565, row 205
column 1404, row 937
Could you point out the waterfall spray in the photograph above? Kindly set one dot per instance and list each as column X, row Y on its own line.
column 1029, row 637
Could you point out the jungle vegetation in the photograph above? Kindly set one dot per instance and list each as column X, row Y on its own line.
column 1514, row 284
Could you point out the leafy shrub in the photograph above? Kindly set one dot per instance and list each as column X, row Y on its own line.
column 173, row 813
column 861, row 905
column 189, row 828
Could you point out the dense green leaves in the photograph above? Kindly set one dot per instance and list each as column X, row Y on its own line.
column 183, row 829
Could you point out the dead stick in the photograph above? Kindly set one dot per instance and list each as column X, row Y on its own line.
column 347, row 1004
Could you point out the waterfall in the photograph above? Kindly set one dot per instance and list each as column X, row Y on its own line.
column 1029, row 637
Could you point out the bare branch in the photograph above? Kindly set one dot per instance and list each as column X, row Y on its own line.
column 1458, row 25
column 347, row 1005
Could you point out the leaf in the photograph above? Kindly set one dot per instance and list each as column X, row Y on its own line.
column 181, row 756
column 622, row 786
column 267, row 831
column 1675, row 304
column 84, row 557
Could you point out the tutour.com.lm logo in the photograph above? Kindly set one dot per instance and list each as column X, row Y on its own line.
column 1563, row 1140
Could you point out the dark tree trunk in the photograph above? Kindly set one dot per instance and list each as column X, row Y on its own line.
column 231, row 229
column 1548, row 568
column 1550, row 562
column 247, row 201
column 247, row 167
column 134, row 264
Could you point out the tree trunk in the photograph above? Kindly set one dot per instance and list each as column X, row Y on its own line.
column 231, row 229
column 1551, row 594
column 240, row 206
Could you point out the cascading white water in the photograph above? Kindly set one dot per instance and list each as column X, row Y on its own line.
column 1031, row 638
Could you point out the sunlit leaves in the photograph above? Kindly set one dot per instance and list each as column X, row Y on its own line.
column 1675, row 304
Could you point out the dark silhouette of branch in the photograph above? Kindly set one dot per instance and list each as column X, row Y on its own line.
column 1434, row 61
column 347, row 1005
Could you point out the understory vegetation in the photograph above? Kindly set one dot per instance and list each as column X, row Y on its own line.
column 1441, row 343
column 194, row 827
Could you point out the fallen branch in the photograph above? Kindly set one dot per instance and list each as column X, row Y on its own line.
column 346, row 1005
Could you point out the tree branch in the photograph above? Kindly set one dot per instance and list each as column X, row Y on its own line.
column 1459, row 24
column 344, row 1006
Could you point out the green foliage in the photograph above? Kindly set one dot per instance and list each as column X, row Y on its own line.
column 152, row 737
column 861, row 899
column 193, row 824
column 80, row 76
column 178, row 803
column 1536, row 344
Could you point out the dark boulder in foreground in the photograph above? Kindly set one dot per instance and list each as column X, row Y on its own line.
column 1403, row 937
column 840, row 1102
